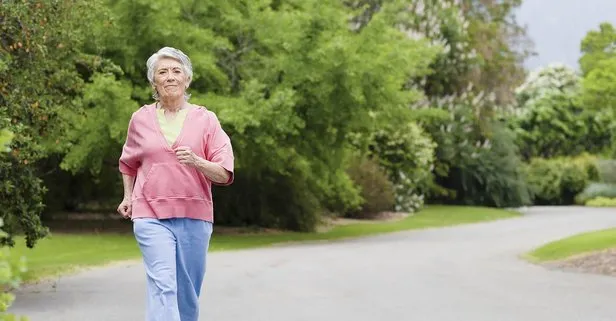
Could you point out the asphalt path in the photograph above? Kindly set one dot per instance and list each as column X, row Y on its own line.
column 470, row 272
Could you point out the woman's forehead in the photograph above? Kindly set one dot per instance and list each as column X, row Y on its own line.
column 167, row 63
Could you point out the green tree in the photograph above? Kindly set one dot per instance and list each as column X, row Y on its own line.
column 599, row 98
column 10, row 269
column 43, row 68
column 501, row 46
column 598, row 65
column 597, row 46
column 290, row 82
column 551, row 120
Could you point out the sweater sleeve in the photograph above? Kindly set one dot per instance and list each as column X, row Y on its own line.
column 219, row 149
column 129, row 161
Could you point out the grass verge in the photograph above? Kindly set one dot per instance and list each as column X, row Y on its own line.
column 64, row 253
column 574, row 245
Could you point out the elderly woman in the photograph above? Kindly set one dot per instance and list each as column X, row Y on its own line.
column 173, row 154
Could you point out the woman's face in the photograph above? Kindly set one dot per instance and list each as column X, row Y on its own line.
column 170, row 81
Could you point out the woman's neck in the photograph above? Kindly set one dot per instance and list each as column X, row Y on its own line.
column 173, row 104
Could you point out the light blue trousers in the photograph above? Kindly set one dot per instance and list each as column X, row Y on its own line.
column 174, row 254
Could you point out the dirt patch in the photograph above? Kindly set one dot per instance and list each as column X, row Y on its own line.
column 600, row 262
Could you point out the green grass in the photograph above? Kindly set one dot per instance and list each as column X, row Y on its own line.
column 574, row 245
column 433, row 216
column 63, row 253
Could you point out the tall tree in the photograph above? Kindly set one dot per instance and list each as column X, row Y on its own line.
column 501, row 45
column 597, row 45
column 42, row 69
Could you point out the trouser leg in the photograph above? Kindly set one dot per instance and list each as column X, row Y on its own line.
column 193, row 237
column 158, row 248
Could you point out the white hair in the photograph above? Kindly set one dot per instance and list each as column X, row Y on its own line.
column 170, row 52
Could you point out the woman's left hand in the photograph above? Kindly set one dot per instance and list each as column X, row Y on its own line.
column 186, row 156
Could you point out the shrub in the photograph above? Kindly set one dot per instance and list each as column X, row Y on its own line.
column 9, row 269
column 594, row 190
column 10, row 278
column 407, row 155
column 601, row 202
column 550, row 120
column 377, row 191
column 557, row 181
column 607, row 170
column 476, row 158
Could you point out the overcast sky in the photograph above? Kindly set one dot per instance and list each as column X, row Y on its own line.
column 557, row 27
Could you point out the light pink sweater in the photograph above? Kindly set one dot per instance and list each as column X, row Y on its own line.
column 164, row 188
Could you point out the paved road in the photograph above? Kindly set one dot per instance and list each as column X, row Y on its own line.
column 469, row 272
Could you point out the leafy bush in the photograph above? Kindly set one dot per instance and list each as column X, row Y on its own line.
column 407, row 154
column 607, row 170
column 476, row 159
column 377, row 191
column 594, row 190
column 10, row 278
column 550, row 120
column 557, row 181
column 42, row 42
column 601, row 202
column 10, row 269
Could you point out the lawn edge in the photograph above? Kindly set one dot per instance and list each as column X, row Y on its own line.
column 81, row 268
column 532, row 258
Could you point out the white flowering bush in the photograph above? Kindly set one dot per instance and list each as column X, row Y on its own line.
column 553, row 79
column 407, row 154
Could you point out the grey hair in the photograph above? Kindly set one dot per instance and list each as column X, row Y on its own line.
column 169, row 52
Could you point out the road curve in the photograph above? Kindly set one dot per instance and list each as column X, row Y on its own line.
column 471, row 272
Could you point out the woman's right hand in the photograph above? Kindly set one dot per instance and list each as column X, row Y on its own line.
column 125, row 208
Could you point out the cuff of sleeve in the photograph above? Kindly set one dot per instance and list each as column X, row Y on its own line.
column 229, row 167
column 126, row 170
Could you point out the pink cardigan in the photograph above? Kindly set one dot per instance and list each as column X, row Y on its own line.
column 164, row 188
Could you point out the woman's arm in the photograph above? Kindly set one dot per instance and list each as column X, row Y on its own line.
column 214, row 172
column 129, row 184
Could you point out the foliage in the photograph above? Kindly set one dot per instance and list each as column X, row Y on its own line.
column 594, row 190
column 295, row 62
column 406, row 152
column 42, row 68
column 11, row 271
column 107, row 109
column 597, row 45
column 377, row 191
column 546, row 81
column 445, row 25
column 607, row 170
column 557, row 181
column 477, row 162
column 549, row 119
column 500, row 44
column 5, row 138
column 598, row 95
column 302, row 87
column 601, row 201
